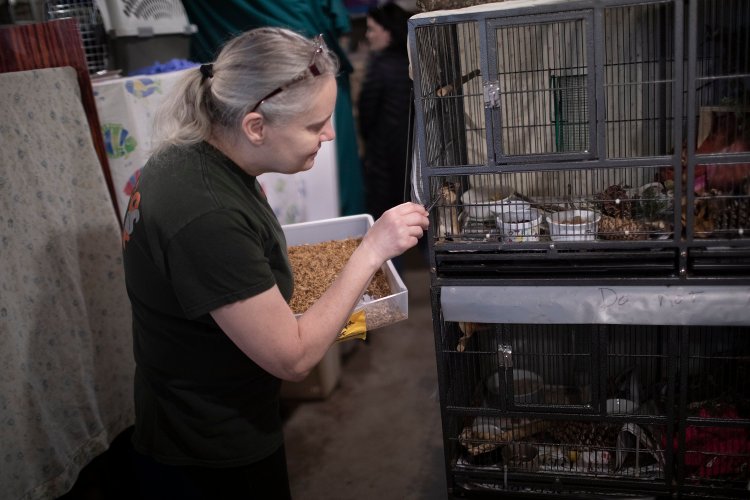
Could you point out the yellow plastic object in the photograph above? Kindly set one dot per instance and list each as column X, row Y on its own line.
column 356, row 327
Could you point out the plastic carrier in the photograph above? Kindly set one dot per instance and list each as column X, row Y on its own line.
column 144, row 18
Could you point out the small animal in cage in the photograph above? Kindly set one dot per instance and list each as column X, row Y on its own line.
column 468, row 330
column 448, row 225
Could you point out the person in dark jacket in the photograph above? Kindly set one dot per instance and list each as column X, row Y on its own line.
column 384, row 105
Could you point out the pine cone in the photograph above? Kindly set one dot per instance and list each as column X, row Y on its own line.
column 729, row 215
column 585, row 435
column 615, row 202
column 617, row 228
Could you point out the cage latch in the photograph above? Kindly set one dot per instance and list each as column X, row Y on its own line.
column 491, row 95
column 505, row 356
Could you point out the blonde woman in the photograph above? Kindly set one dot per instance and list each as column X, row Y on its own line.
column 208, row 275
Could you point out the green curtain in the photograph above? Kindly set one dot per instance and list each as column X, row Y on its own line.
column 219, row 20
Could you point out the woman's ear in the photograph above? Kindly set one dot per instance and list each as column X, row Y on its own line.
column 254, row 128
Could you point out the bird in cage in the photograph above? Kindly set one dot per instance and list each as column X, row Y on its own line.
column 467, row 331
column 448, row 225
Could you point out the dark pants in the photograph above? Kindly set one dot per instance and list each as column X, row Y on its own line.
column 262, row 480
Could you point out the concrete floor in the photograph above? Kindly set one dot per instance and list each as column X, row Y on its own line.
column 378, row 434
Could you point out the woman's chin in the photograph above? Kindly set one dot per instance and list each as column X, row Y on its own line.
column 309, row 163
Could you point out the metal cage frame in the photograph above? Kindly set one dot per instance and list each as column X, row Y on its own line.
column 464, row 122
column 673, row 290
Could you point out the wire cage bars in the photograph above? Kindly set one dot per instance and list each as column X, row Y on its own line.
column 622, row 122
column 91, row 26
column 586, row 409
column 572, row 148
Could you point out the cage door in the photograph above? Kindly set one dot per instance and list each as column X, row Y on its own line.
column 544, row 70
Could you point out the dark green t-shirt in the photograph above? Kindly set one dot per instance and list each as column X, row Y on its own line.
column 199, row 234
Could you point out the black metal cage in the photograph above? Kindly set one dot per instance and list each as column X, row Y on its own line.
column 589, row 165
column 582, row 410
column 591, row 126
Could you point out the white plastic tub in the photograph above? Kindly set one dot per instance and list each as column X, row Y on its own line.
column 380, row 312
column 520, row 224
column 573, row 225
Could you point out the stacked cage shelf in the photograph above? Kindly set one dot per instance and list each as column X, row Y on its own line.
column 589, row 164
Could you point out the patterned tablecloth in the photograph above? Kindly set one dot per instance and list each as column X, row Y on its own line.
column 126, row 108
column 66, row 351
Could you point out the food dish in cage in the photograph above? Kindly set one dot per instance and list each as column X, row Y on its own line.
column 573, row 225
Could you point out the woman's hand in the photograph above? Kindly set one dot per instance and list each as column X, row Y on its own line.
column 396, row 231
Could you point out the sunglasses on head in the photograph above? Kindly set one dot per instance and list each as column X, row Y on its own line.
column 312, row 69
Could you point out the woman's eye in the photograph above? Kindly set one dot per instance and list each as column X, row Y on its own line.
column 317, row 129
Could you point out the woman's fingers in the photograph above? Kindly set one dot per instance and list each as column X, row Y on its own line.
column 397, row 230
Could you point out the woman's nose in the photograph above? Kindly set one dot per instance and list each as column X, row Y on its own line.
column 328, row 133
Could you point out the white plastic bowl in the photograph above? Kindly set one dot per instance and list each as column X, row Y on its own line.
column 519, row 224
column 573, row 225
column 482, row 203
